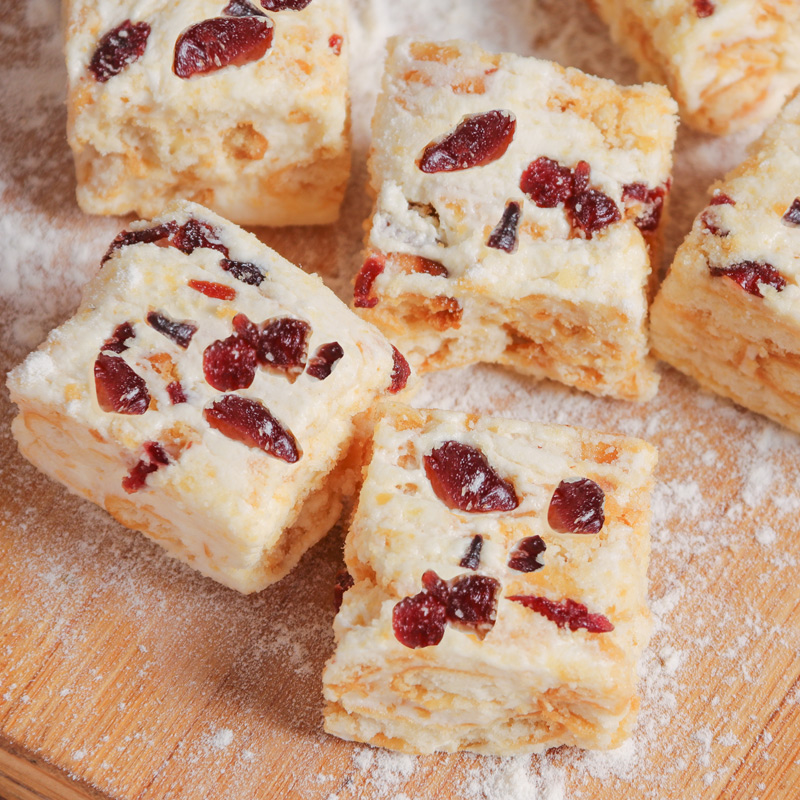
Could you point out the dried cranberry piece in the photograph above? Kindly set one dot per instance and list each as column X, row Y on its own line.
column 432, row 583
column 283, row 5
column 400, row 372
column 472, row 602
column 525, row 556
column 180, row 332
column 324, row 361
column 703, row 8
column 721, row 199
column 566, row 613
column 243, row 271
column 230, row 364
column 750, row 275
column 709, row 217
column 476, row 141
column 176, row 393
column 546, row 182
column 363, row 298
column 146, row 236
column 651, row 199
column 283, row 345
column 792, row 215
column 591, row 211
column 119, row 388
column 117, row 342
column 251, row 423
column 118, row 49
column 194, row 234
column 221, row 42
column 241, row 8
column 419, row 621
column 218, row 291
column 154, row 457
column 580, row 177
column 577, row 507
column 472, row 558
column 335, row 44
column 462, row 478
column 430, row 267
column 504, row 236
column 344, row 581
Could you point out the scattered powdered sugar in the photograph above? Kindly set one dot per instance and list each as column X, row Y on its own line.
column 221, row 739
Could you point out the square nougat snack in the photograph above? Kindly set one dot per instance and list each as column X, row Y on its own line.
column 499, row 597
column 242, row 107
column 728, row 313
column 728, row 63
column 208, row 393
column 516, row 202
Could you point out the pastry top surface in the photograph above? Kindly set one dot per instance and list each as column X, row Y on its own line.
column 624, row 133
column 229, row 478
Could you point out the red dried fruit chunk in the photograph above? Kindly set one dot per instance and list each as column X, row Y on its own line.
column 221, row 42
column 476, row 141
column 472, row 558
column 246, row 329
column 430, row 267
column 580, row 177
column 283, row 5
column 591, row 211
column 344, row 581
column 180, row 332
column 462, row 478
column 283, row 345
column 138, row 237
column 230, row 364
column 577, row 507
column 219, row 291
column 324, row 361
column 433, row 584
column 118, row 49
column 750, row 275
column 154, row 457
column 546, row 182
column 721, row 199
column 525, row 556
column 703, row 8
column 373, row 267
column 567, row 613
column 709, row 217
column 792, row 215
column 400, row 372
column 119, row 388
column 472, row 602
column 176, row 393
column 504, row 236
column 243, row 271
column 117, row 342
column 653, row 204
column 194, row 234
column 335, row 44
column 251, row 423
column 241, row 8
column 419, row 621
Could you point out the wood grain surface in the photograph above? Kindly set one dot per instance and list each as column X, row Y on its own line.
column 126, row 676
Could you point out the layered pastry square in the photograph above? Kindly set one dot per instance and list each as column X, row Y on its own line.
column 517, row 204
column 209, row 394
column 728, row 63
column 498, row 598
column 242, row 107
column 728, row 313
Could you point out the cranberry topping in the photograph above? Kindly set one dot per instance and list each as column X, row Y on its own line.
column 525, row 556
column 119, row 388
column 221, row 42
column 335, row 44
column 721, row 199
column 652, row 201
column 176, row 393
column 324, row 360
column 750, row 275
column 504, row 236
column 344, row 581
column 546, row 182
column 194, row 234
column 462, row 478
column 247, row 329
column 218, row 291
column 432, row 583
column 591, row 211
column 241, row 8
column 792, row 215
column 472, row 558
column 154, row 458
column 709, row 217
column 472, row 602
column 400, row 372
column 566, row 613
column 180, row 332
column 146, row 236
column 703, row 8
column 283, row 345
column 283, row 5
column 243, row 271
column 419, row 621
column 476, row 141
column 118, row 49
column 362, row 292
column 230, row 364
column 577, row 507
column 251, row 423
column 430, row 267
column 117, row 342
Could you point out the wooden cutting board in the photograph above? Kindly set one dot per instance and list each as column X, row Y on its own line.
column 126, row 676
